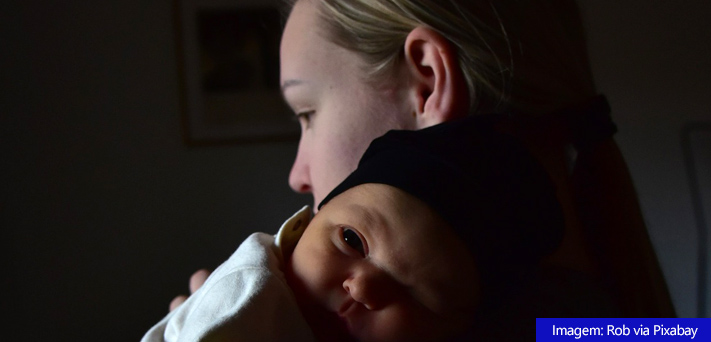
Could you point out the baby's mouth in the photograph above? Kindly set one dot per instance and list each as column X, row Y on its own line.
column 347, row 307
column 349, row 313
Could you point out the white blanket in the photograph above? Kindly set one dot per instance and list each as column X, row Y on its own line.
column 244, row 299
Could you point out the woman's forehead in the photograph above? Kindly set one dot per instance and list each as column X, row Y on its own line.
column 308, row 59
column 296, row 42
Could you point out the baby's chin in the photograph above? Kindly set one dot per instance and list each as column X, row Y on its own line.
column 358, row 328
column 329, row 327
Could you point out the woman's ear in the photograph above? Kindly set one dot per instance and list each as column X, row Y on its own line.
column 437, row 85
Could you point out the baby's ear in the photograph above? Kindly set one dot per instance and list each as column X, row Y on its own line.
column 437, row 88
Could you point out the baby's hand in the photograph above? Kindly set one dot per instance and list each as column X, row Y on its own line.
column 196, row 280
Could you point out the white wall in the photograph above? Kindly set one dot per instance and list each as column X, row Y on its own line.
column 652, row 58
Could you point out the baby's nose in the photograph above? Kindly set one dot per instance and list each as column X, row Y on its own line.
column 373, row 287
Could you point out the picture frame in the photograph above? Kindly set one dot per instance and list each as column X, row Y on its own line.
column 228, row 61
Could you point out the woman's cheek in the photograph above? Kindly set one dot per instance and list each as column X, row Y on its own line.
column 331, row 167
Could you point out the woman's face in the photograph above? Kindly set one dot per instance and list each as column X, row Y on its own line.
column 377, row 264
column 340, row 114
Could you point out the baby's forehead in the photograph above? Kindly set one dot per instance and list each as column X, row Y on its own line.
column 411, row 242
column 392, row 219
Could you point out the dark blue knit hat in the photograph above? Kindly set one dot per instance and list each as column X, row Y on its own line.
column 485, row 184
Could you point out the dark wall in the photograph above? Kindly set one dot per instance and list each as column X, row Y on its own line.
column 652, row 58
column 105, row 211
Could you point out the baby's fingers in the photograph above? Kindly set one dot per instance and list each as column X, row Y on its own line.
column 175, row 303
column 197, row 279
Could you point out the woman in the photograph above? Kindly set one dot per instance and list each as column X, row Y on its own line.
column 352, row 70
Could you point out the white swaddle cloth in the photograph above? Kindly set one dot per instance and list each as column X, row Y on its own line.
column 246, row 298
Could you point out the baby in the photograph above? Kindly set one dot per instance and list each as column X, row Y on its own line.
column 422, row 242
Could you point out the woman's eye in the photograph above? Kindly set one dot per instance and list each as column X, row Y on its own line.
column 353, row 240
column 305, row 117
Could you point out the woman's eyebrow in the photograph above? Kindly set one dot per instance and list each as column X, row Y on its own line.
column 290, row 83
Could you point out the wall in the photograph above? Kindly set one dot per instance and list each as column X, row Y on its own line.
column 652, row 59
column 105, row 212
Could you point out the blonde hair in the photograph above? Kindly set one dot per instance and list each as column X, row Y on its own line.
column 529, row 55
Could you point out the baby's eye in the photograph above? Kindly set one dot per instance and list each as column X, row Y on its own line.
column 353, row 240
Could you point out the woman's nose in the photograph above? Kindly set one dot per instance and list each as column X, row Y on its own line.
column 372, row 287
column 300, row 176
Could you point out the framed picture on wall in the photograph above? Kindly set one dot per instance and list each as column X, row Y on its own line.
column 228, row 53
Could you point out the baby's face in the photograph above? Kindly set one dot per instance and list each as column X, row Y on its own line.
column 377, row 264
